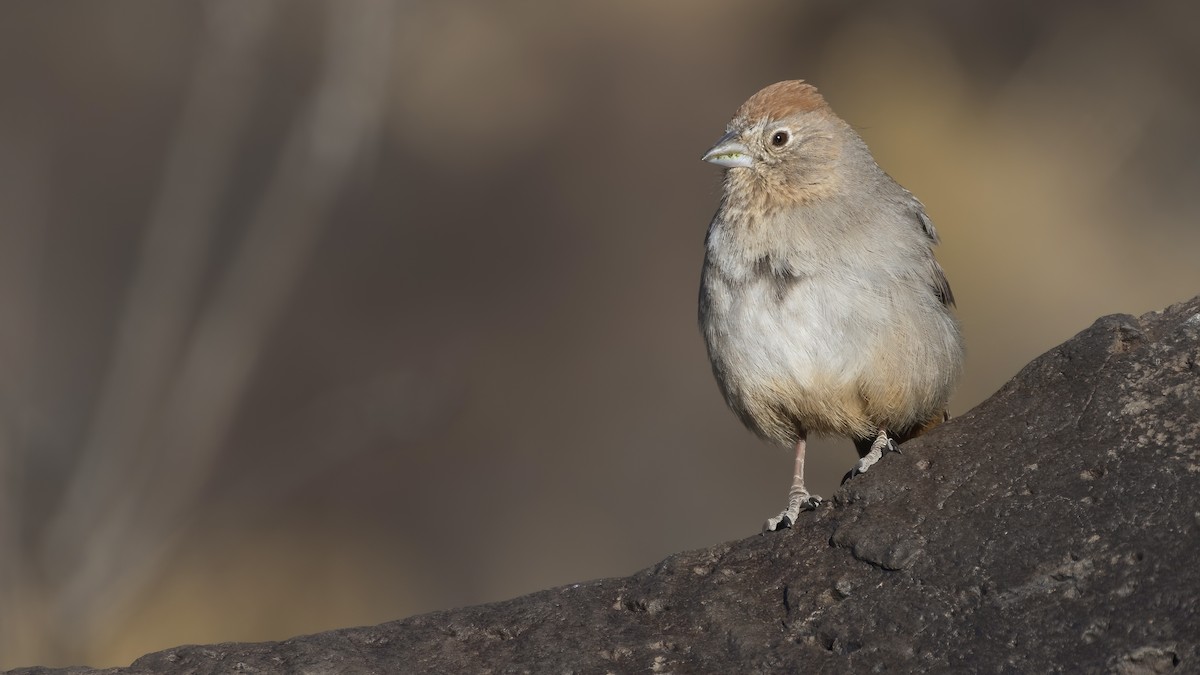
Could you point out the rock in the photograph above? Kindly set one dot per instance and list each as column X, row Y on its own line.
column 1053, row 528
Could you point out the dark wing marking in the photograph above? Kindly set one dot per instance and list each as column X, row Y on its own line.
column 926, row 223
column 941, row 287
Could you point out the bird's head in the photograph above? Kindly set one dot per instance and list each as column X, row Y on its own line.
column 786, row 140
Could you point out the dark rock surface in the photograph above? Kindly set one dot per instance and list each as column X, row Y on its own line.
column 1052, row 529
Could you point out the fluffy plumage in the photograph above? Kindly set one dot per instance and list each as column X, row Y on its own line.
column 821, row 302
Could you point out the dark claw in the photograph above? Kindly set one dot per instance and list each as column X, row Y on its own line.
column 785, row 523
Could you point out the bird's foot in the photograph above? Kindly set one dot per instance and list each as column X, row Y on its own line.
column 882, row 443
column 796, row 504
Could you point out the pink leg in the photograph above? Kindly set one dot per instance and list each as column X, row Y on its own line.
column 798, row 497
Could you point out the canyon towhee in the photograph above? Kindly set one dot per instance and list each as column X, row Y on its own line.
column 822, row 306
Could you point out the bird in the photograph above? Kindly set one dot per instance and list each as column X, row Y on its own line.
column 822, row 306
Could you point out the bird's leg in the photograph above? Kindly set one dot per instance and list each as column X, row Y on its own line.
column 798, row 497
column 882, row 442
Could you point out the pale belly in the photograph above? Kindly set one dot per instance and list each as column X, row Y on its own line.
column 827, row 357
column 802, row 337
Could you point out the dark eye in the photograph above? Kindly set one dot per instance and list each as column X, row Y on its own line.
column 780, row 139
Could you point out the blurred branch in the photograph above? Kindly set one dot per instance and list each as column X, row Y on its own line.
column 163, row 289
column 160, row 428
column 341, row 123
column 24, row 199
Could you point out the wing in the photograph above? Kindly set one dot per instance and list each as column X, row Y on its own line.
column 937, row 277
column 926, row 224
column 941, row 287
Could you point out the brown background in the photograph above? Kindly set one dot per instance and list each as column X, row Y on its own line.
column 316, row 314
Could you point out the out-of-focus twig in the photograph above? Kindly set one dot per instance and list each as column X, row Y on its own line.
column 163, row 288
column 177, row 446
column 341, row 122
column 24, row 199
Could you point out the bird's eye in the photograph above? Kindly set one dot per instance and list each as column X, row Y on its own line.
column 780, row 138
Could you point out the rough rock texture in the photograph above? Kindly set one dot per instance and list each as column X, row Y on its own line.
column 1053, row 528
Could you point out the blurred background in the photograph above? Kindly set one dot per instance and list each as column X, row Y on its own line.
column 317, row 314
